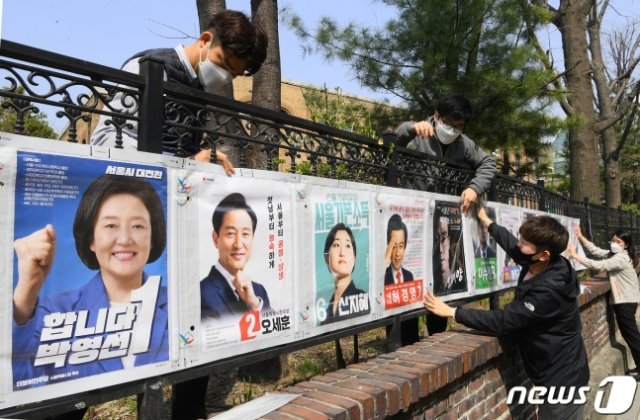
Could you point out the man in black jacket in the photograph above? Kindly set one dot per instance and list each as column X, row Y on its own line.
column 544, row 313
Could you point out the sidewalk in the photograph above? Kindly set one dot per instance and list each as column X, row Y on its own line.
column 609, row 363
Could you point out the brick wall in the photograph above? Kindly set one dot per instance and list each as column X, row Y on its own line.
column 458, row 374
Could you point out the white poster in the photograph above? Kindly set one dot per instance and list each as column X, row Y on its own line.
column 510, row 218
column 400, row 247
column 244, row 263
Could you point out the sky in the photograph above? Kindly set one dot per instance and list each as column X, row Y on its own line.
column 110, row 31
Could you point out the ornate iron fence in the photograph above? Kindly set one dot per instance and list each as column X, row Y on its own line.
column 79, row 92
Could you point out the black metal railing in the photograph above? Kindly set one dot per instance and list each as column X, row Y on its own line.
column 76, row 91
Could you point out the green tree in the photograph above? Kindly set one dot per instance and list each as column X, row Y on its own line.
column 474, row 47
column 339, row 111
column 35, row 122
column 595, row 96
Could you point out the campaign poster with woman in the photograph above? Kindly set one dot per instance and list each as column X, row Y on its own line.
column 341, row 224
column 89, row 271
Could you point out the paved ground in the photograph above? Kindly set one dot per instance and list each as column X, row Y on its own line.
column 608, row 363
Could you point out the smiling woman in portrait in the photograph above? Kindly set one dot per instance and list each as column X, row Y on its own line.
column 118, row 228
column 340, row 252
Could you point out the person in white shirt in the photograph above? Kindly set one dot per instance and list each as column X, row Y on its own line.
column 231, row 46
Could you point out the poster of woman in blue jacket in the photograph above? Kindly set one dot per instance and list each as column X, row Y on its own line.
column 85, row 301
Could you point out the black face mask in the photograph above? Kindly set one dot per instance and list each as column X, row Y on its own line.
column 527, row 259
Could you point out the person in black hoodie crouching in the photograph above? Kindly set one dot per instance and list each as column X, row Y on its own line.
column 544, row 313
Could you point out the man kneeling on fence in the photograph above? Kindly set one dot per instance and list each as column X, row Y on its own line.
column 544, row 313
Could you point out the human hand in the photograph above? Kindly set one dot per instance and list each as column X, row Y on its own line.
column 35, row 257
column 571, row 250
column 388, row 252
column 244, row 288
column 578, row 232
column 468, row 197
column 204, row 155
column 437, row 306
column 226, row 163
column 423, row 129
column 481, row 214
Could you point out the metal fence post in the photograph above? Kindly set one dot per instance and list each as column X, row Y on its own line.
column 542, row 201
column 620, row 222
column 150, row 401
column 587, row 211
column 389, row 141
column 492, row 193
column 151, row 111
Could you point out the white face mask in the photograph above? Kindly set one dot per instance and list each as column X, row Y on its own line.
column 446, row 133
column 615, row 248
column 210, row 74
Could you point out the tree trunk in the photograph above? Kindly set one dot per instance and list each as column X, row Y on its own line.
column 583, row 141
column 266, row 91
column 612, row 176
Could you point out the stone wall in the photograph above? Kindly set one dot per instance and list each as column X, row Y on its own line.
column 459, row 374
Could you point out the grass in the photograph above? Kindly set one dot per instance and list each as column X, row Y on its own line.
column 302, row 365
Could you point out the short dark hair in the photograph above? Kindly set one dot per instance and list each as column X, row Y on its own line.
column 238, row 35
column 331, row 236
column 396, row 223
column 455, row 107
column 234, row 201
column 91, row 202
column 626, row 236
column 545, row 232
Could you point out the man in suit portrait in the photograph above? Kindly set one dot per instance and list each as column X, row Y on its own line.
column 484, row 249
column 228, row 291
column 396, row 274
column 396, row 244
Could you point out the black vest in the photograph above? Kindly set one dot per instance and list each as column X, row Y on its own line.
column 176, row 73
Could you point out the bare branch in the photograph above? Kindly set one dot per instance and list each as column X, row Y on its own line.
column 183, row 35
column 546, row 61
column 627, row 129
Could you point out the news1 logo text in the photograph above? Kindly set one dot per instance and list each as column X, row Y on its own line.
column 621, row 392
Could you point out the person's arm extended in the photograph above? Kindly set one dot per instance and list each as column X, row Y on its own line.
column 483, row 164
column 515, row 316
column 405, row 133
column 503, row 237
column 616, row 263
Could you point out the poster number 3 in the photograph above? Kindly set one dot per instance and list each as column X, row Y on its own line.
column 249, row 325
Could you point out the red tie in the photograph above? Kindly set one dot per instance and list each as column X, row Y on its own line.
column 398, row 278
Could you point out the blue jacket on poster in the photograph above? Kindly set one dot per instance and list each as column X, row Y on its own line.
column 92, row 297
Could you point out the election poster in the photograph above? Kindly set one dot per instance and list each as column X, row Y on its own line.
column 244, row 261
column 485, row 255
column 510, row 218
column 89, row 274
column 401, row 249
column 572, row 224
column 340, row 236
column 448, row 260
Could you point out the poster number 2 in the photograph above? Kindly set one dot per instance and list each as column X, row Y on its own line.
column 249, row 325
